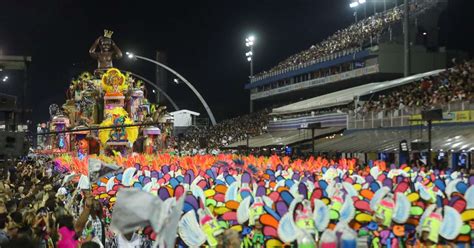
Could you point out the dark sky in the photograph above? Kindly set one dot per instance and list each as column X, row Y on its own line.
column 204, row 41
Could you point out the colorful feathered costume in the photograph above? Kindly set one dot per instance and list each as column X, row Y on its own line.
column 117, row 117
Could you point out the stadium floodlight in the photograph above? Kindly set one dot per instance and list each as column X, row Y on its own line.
column 353, row 4
column 362, row 1
column 249, row 42
column 130, row 55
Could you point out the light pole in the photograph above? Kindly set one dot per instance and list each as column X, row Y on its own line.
column 158, row 89
column 249, row 42
column 355, row 4
column 208, row 110
column 406, row 40
column 365, row 7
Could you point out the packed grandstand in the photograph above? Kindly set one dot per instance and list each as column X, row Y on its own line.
column 450, row 86
column 360, row 34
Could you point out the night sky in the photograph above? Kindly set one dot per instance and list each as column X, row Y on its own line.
column 204, row 41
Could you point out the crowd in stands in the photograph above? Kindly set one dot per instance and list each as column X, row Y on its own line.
column 357, row 35
column 451, row 85
column 226, row 132
column 37, row 211
column 353, row 36
column 41, row 206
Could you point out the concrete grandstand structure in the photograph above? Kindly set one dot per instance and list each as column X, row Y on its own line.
column 344, row 92
column 374, row 64
column 348, row 129
column 341, row 61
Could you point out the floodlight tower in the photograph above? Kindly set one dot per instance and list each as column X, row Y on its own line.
column 249, row 42
column 355, row 4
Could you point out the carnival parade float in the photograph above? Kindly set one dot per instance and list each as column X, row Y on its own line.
column 274, row 201
column 106, row 111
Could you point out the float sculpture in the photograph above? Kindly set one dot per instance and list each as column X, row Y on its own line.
column 152, row 139
column 60, row 141
column 105, row 98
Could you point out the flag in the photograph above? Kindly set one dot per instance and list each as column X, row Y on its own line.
column 171, row 213
column 134, row 209
column 94, row 165
column 97, row 169
column 69, row 177
column 84, row 183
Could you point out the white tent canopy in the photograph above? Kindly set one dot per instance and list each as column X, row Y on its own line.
column 346, row 96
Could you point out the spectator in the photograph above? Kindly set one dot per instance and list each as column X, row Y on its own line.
column 90, row 222
column 21, row 242
column 366, row 31
column 3, row 229
column 90, row 244
column 454, row 84
column 68, row 238
column 225, row 132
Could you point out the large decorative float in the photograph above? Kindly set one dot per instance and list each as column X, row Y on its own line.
column 105, row 111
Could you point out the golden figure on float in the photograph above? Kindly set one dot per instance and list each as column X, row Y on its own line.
column 114, row 84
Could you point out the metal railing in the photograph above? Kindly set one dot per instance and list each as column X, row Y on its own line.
column 399, row 117
column 332, row 56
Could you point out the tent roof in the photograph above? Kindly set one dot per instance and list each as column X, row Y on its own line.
column 346, row 96
column 185, row 111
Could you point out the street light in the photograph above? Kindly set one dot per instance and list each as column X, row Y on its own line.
column 206, row 107
column 5, row 79
column 249, row 42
